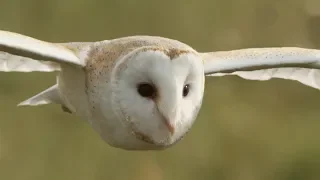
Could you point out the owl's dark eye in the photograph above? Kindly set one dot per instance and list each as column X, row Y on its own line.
column 186, row 90
column 146, row 90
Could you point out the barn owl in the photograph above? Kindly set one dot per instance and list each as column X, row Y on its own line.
column 143, row 92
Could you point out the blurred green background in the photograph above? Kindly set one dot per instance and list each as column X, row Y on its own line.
column 246, row 130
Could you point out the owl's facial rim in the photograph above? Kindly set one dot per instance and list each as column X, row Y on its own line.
column 131, row 127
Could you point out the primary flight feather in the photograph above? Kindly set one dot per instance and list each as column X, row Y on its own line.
column 143, row 92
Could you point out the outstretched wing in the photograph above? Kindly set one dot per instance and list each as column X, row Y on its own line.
column 262, row 64
column 22, row 53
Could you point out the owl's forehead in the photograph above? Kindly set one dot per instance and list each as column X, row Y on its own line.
column 172, row 53
column 155, row 58
column 105, row 54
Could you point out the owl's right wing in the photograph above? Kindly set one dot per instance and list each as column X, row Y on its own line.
column 25, row 54
column 262, row 64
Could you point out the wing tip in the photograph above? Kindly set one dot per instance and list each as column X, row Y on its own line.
column 30, row 103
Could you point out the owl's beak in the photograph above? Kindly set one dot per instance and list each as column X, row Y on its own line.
column 169, row 125
column 168, row 119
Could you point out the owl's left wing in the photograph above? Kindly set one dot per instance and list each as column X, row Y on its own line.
column 291, row 63
column 23, row 53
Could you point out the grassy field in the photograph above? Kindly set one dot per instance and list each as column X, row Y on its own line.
column 246, row 130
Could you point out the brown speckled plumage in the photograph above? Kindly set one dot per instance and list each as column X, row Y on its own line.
column 103, row 55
